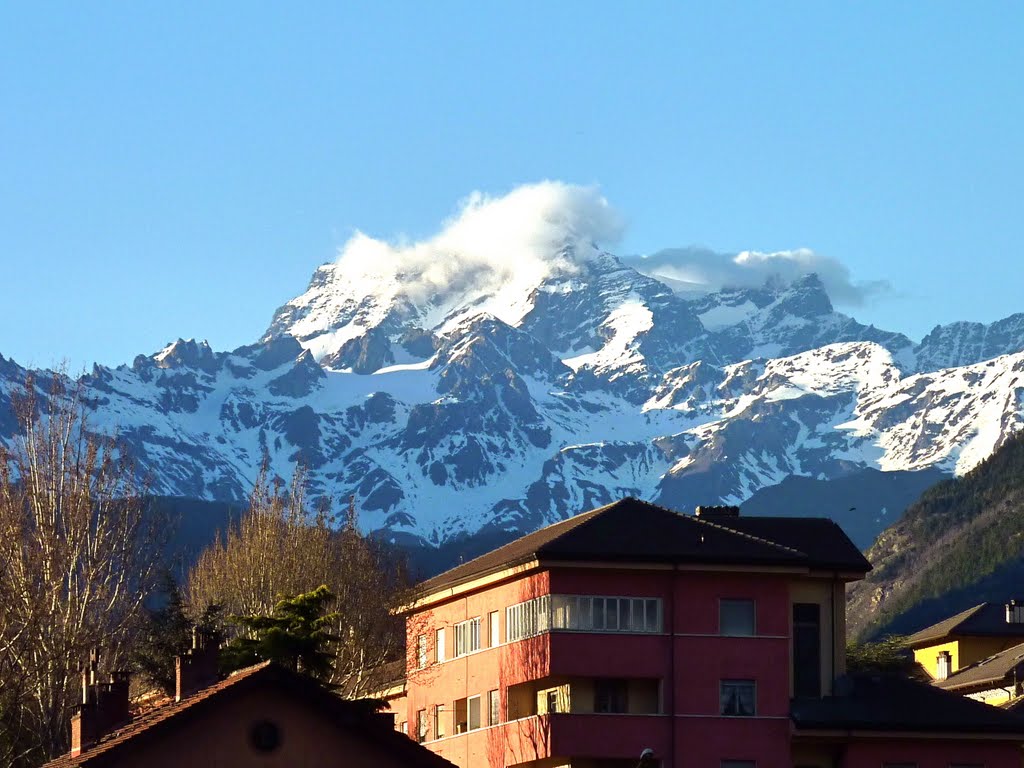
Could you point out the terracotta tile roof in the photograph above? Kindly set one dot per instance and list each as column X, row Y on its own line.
column 631, row 530
column 992, row 671
column 983, row 620
column 896, row 704
column 347, row 714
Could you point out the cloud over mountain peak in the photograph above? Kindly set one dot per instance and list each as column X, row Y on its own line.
column 520, row 238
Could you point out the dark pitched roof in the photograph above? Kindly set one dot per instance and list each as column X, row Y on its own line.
column 895, row 704
column 983, row 620
column 355, row 716
column 993, row 670
column 631, row 530
column 386, row 676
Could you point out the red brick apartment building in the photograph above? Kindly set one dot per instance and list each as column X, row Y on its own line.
column 716, row 641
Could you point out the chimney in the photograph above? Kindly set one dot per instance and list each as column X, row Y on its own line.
column 197, row 668
column 719, row 512
column 104, row 706
column 1015, row 611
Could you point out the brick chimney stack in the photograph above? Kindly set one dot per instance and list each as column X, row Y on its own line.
column 197, row 668
column 104, row 706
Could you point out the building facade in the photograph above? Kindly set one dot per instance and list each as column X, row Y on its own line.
column 977, row 653
column 632, row 627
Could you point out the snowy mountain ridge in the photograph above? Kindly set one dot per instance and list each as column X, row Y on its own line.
column 498, row 377
column 476, row 423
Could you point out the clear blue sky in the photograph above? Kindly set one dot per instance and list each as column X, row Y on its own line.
column 179, row 169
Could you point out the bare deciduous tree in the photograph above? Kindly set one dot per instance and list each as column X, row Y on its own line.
column 280, row 548
column 79, row 553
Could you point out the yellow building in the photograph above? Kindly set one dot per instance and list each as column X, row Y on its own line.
column 978, row 653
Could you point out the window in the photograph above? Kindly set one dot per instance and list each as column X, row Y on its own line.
column 611, row 695
column 617, row 614
column 473, row 703
column 807, row 649
column 404, row 727
column 738, row 698
column 584, row 613
column 493, row 708
column 526, row 619
column 439, row 722
column 421, row 651
column 461, row 716
column 421, row 725
column 492, row 625
column 439, row 645
column 943, row 662
column 552, row 701
column 736, row 618
column 467, row 637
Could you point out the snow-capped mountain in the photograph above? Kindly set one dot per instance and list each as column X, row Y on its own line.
column 452, row 392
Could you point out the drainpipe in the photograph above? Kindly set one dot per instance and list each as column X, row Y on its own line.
column 832, row 652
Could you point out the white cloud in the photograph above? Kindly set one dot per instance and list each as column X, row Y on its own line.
column 501, row 247
column 700, row 269
column 491, row 244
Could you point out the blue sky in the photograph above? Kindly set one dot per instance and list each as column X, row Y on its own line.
column 179, row 170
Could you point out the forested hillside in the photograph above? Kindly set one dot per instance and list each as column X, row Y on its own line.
column 961, row 543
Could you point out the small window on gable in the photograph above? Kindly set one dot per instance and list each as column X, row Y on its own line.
column 736, row 617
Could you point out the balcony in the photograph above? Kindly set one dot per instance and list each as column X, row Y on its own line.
column 584, row 739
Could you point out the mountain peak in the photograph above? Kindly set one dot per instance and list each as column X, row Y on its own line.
column 186, row 353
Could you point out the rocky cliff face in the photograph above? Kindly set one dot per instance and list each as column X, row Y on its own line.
column 507, row 407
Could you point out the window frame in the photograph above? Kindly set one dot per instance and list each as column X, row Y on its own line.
column 421, row 651
column 493, row 629
column 439, row 732
column 469, row 712
column 494, row 707
column 737, row 601
column 440, row 642
column 619, row 614
column 725, row 683
column 616, row 691
column 421, row 726
column 467, row 637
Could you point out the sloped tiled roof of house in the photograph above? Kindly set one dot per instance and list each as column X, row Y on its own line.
column 347, row 714
column 991, row 671
column 982, row 620
column 631, row 530
column 895, row 704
